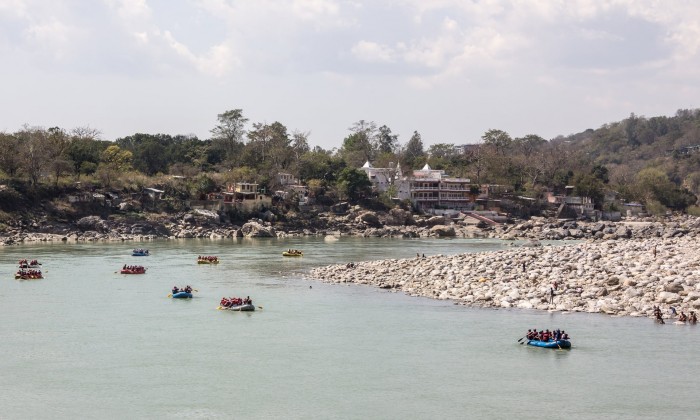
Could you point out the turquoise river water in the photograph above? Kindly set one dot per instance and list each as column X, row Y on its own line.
column 86, row 342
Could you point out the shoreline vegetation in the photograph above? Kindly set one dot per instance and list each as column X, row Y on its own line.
column 617, row 268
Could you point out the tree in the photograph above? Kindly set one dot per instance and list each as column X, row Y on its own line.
column 229, row 134
column 300, row 144
column 33, row 145
column 477, row 158
column 385, row 141
column 57, row 144
column 357, row 147
column 268, row 151
column 586, row 185
column 441, row 155
column 654, row 186
column 649, row 182
column 499, row 140
column 85, row 133
column 113, row 161
column 320, row 165
column 443, row 151
column 353, row 183
column 204, row 184
column 529, row 144
column 602, row 173
column 84, row 153
column 413, row 154
column 10, row 156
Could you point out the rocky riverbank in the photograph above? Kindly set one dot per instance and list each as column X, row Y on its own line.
column 615, row 277
column 357, row 222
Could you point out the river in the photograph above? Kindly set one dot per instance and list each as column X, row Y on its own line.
column 86, row 342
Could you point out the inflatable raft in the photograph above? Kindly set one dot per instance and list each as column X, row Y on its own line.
column 182, row 295
column 551, row 344
column 28, row 276
column 292, row 254
column 207, row 261
column 127, row 271
column 140, row 253
column 239, row 308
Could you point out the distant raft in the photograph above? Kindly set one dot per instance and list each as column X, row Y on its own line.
column 133, row 270
column 182, row 295
column 551, row 344
column 34, row 275
column 140, row 253
column 207, row 260
column 293, row 254
column 246, row 307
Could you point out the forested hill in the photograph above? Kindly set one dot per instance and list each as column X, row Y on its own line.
column 639, row 147
column 655, row 161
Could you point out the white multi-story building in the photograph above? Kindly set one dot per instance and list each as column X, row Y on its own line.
column 431, row 188
column 426, row 188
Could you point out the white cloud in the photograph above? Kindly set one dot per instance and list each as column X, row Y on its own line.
column 315, row 9
column 52, row 36
column 14, row 8
column 372, row 52
column 217, row 61
column 130, row 9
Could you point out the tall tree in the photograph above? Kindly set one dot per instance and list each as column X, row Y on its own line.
column 300, row 143
column 10, row 156
column 499, row 140
column 57, row 144
column 86, row 133
column 229, row 134
column 413, row 153
column 357, row 149
column 385, row 141
column 33, row 143
column 268, row 147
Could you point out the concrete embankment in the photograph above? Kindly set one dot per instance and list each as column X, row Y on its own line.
column 615, row 277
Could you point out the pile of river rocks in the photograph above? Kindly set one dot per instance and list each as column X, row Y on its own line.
column 615, row 277
column 400, row 224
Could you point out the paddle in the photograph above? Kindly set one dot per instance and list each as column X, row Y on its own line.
column 170, row 295
column 260, row 307
column 520, row 340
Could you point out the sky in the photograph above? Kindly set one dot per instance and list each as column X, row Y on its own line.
column 448, row 69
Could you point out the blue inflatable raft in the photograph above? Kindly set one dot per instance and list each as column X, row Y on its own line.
column 182, row 295
column 140, row 253
column 551, row 344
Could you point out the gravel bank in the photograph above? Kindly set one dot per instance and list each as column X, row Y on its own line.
column 615, row 277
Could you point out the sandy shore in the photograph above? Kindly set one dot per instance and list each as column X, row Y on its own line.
column 615, row 277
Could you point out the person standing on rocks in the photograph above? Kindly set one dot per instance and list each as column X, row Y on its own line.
column 524, row 267
column 654, row 251
column 551, row 295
